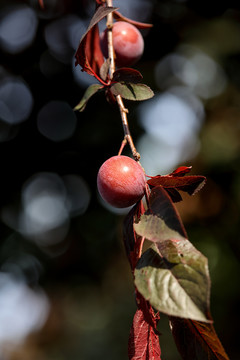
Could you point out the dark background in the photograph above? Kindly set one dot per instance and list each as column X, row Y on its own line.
column 75, row 263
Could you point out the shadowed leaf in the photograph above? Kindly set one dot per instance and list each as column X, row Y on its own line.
column 118, row 16
column 160, row 204
column 127, row 75
column 89, row 55
column 91, row 90
column 131, row 240
column 197, row 340
column 131, row 91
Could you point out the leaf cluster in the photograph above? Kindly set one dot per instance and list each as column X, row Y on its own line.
column 171, row 276
column 125, row 81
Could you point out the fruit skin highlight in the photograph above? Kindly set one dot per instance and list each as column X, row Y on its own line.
column 128, row 43
column 121, row 181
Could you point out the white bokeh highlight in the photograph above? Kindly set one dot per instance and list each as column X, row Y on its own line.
column 172, row 121
column 18, row 28
column 22, row 311
column 16, row 101
column 48, row 202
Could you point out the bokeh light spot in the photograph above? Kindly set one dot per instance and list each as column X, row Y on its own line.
column 172, row 121
column 16, row 101
column 171, row 118
column 44, row 216
column 58, row 38
column 193, row 68
column 78, row 194
column 22, row 310
column 18, row 29
column 56, row 121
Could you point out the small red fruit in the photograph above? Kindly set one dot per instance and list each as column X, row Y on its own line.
column 128, row 43
column 121, row 181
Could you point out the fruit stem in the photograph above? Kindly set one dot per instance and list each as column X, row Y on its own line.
column 122, row 109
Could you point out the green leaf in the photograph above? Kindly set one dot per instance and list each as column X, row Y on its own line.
column 91, row 90
column 174, row 277
column 105, row 69
column 155, row 229
column 131, row 91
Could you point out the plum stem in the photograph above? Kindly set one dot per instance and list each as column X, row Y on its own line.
column 122, row 109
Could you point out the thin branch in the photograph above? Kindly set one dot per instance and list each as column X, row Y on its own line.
column 123, row 110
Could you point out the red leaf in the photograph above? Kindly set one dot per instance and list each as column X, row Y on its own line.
column 179, row 182
column 181, row 171
column 197, row 340
column 118, row 16
column 89, row 55
column 143, row 341
column 174, row 194
column 41, row 3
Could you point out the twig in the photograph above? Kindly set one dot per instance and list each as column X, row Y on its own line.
column 123, row 110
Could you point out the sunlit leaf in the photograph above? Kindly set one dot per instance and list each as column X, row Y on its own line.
column 143, row 341
column 104, row 70
column 174, row 279
column 173, row 275
column 181, row 171
column 155, row 229
column 179, row 182
column 91, row 90
column 131, row 91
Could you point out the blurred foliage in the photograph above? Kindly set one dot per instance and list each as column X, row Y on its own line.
column 86, row 276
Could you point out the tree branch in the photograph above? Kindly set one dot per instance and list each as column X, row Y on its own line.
column 122, row 109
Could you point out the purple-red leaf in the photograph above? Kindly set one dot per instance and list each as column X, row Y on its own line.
column 197, row 340
column 119, row 17
column 181, row 171
column 143, row 341
column 41, row 3
column 127, row 75
column 177, row 181
column 89, row 55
